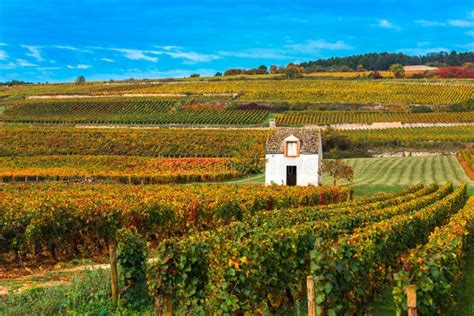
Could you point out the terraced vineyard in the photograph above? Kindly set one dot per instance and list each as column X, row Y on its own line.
column 121, row 111
column 336, row 117
column 124, row 169
column 332, row 91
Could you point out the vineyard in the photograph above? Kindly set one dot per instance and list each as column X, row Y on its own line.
column 348, row 248
column 406, row 136
column 62, row 220
column 339, row 117
column 304, row 90
column 121, row 111
column 124, row 169
column 466, row 158
column 31, row 141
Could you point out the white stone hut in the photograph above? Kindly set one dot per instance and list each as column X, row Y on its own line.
column 293, row 156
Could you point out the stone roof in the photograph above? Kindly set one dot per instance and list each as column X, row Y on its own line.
column 309, row 137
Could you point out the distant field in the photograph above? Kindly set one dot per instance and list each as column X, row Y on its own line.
column 122, row 111
column 364, row 117
column 271, row 90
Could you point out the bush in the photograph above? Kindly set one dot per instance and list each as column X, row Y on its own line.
column 375, row 75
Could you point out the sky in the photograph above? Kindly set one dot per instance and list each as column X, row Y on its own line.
column 57, row 41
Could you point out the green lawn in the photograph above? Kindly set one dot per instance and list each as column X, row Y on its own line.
column 372, row 175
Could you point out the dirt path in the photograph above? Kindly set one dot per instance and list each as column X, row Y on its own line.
column 27, row 278
column 130, row 95
column 20, row 279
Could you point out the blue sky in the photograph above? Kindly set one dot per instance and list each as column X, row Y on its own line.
column 103, row 39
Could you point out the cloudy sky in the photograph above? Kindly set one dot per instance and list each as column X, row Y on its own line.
column 103, row 39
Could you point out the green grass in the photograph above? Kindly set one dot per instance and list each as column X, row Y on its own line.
column 372, row 175
column 466, row 298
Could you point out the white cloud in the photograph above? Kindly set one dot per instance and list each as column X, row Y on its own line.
column 66, row 47
column 460, row 23
column 3, row 55
column 192, row 56
column 470, row 33
column 48, row 68
column 257, row 53
column 429, row 23
column 423, row 51
column 24, row 63
column 3, row 44
column 387, row 24
column 169, row 47
column 79, row 66
column 135, row 54
column 316, row 45
column 10, row 65
column 107, row 60
column 178, row 53
column 34, row 51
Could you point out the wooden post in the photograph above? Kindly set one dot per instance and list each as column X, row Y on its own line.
column 310, row 291
column 163, row 305
column 411, row 300
column 169, row 305
column 113, row 271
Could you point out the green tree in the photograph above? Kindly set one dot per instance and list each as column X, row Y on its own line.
column 218, row 74
column 397, row 70
column 360, row 68
column 195, row 76
column 293, row 73
column 337, row 170
column 80, row 80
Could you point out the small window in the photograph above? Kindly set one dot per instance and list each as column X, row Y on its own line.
column 292, row 149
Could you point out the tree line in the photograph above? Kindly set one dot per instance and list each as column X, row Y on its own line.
column 383, row 61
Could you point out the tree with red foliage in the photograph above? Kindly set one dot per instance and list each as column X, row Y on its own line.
column 455, row 72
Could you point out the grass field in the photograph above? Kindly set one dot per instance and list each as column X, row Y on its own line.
column 373, row 175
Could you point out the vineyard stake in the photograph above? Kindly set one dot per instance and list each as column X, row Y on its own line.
column 113, row 271
column 169, row 305
column 310, row 292
column 411, row 300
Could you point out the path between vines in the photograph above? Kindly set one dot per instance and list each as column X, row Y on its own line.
column 23, row 278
